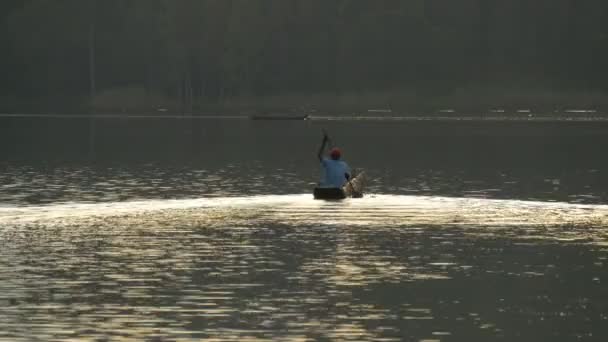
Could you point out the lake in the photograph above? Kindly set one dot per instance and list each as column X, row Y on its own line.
column 205, row 229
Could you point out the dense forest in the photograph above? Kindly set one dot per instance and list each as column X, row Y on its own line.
column 189, row 55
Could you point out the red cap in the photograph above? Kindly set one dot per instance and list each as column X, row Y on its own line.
column 335, row 153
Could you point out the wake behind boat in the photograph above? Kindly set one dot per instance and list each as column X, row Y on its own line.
column 353, row 189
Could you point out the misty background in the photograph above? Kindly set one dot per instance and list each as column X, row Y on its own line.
column 211, row 56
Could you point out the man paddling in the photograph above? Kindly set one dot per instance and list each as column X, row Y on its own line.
column 335, row 171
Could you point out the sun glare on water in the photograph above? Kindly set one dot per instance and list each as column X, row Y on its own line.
column 302, row 210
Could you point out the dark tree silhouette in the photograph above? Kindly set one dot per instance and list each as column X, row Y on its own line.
column 196, row 52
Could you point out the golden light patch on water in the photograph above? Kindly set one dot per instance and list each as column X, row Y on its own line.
column 369, row 210
column 272, row 264
column 536, row 220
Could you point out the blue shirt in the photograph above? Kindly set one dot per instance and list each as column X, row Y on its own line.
column 333, row 173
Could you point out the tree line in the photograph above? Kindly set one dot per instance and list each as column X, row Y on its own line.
column 211, row 51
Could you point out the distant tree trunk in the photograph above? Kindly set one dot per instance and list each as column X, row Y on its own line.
column 187, row 94
column 335, row 49
column 484, row 29
column 572, row 40
column 221, row 93
column 92, row 68
column 92, row 79
column 190, row 94
column 92, row 136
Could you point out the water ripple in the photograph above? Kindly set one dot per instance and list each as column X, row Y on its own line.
column 383, row 268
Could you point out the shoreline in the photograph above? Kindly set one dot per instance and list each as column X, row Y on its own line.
column 452, row 117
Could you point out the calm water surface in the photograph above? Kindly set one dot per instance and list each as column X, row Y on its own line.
column 468, row 233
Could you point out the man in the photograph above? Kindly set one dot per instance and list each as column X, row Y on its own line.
column 335, row 171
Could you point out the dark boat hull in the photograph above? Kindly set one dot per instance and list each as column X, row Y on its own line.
column 353, row 189
column 329, row 193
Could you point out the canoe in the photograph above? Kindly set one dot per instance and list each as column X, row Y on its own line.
column 279, row 117
column 353, row 189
